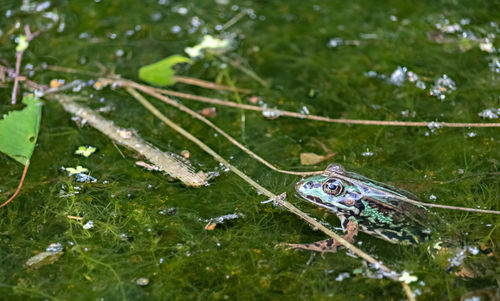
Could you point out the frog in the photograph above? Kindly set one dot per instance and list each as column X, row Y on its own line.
column 365, row 205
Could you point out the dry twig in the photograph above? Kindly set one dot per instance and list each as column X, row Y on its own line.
column 19, row 56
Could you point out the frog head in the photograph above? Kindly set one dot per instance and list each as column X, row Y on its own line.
column 330, row 191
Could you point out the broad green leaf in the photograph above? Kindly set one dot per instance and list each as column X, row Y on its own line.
column 161, row 72
column 19, row 130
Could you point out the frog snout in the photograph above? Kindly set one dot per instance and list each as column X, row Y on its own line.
column 299, row 185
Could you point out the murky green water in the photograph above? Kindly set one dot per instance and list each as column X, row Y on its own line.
column 315, row 56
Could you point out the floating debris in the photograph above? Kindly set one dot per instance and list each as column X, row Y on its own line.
column 85, row 151
column 254, row 99
column 433, row 126
column 463, row 37
column 448, row 28
column 420, row 84
column 313, row 159
column 56, row 83
column 443, row 85
column 373, row 271
column 398, row 76
column 407, row 113
column 185, row 154
column 474, row 250
column 51, row 255
column 342, row 276
column 367, row 154
column 89, row 225
column 495, row 65
column 407, row 278
column 54, row 247
column 371, row 73
column 304, row 110
column 212, row 222
column 335, row 42
column 490, row 113
column 222, row 218
column 271, row 113
column 210, row 44
column 459, row 257
column 125, row 134
column 210, row 112
column 142, row 281
column 210, row 226
column 487, row 46
column 80, row 173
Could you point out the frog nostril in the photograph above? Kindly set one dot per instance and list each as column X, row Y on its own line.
column 309, row 185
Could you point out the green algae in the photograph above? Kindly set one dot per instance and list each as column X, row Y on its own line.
column 135, row 236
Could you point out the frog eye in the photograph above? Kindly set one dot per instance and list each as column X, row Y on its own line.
column 333, row 187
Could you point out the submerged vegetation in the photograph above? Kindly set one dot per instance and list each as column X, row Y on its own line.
column 405, row 93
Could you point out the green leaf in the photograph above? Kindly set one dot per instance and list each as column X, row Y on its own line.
column 161, row 72
column 77, row 170
column 19, row 130
column 85, row 151
column 22, row 43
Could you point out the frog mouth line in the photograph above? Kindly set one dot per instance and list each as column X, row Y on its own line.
column 319, row 202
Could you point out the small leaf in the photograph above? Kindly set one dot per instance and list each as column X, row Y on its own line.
column 161, row 72
column 407, row 278
column 77, row 170
column 208, row 43
column 85, row 151
column 22, row 43
column 19, row 130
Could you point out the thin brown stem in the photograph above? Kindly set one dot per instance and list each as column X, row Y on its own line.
column 73, row 71
column 19, row 56
column 206, row 84
column 226, row 103
column 18, row 186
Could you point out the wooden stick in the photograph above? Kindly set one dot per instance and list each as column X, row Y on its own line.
column 168, row 162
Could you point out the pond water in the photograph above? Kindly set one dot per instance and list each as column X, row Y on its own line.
column 433, row 61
